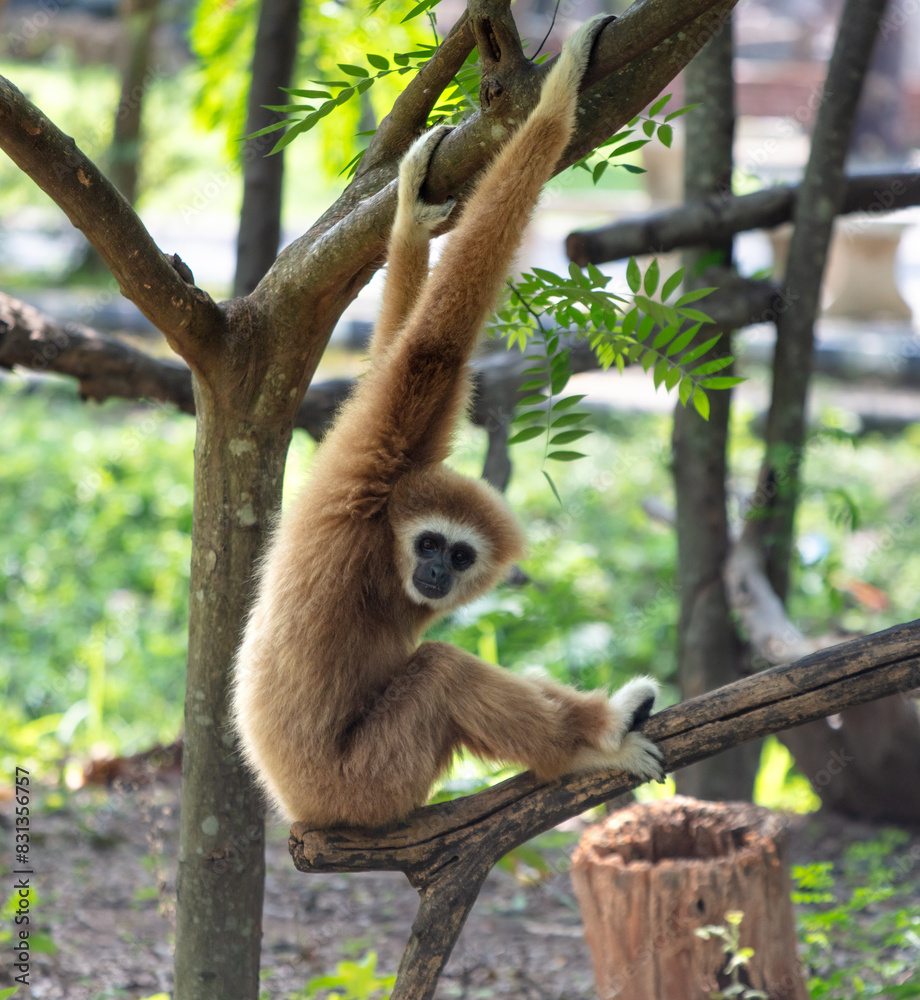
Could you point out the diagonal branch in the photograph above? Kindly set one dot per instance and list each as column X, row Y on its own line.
column 447, row 850
column 637, row 56
column 187, row 316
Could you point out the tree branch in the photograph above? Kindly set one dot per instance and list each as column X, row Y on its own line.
column 187, row 316
column 719, row 217
column 446, row 850
column 344, row 248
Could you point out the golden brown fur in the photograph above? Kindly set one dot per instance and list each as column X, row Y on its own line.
column 343, row 716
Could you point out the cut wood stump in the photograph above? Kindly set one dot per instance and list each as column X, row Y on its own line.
column 650, row 875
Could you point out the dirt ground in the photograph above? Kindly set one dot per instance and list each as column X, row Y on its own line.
column 105, row 873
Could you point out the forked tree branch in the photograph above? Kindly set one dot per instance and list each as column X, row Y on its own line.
column 187, row 316
column 447, row 850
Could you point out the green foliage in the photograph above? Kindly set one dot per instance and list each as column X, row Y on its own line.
column 94, row 555
column 336, row 43
column 662, row 337
column 737, row 958
column 859, row 927
column 350, row 981
column 630, row 140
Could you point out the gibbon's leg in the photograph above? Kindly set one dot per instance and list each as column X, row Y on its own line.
column 407, row 254
column 445, row 698
column 423, row 385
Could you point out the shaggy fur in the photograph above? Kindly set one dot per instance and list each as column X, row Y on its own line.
column 342, row 715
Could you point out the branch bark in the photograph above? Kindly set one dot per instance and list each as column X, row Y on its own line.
column 188, row 317
column 721, row 216
column 446, row 850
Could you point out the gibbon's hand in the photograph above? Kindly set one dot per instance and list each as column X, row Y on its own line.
column 622, row 746
column 412, row 173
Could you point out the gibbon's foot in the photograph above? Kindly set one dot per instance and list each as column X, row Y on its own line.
column 623, row 747
column 412, row 173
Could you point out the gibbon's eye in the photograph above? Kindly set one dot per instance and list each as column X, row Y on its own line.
column 462, row 556
column 429, row 544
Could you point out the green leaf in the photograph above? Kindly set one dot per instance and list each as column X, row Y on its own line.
column 520, row 418
column 308, row 93
column 353, row 70
column 721, row 382
column 699, row 350
column 672, row 284
column 532, row 400
column 683, row 340
column 661, row 370
column 568, row 402
column 567, row 437
column 268, row 128
column 701, row 402
column 697, row 293
column 680, row 111
column 419, row 8
column 665, row 135
column 8, row 992
column 631, row 167
column 700, row 317
column 365, row 85
column 630, row 147
column 658, row 106
column 648, row 127
column 633, row 275
column 648, row 359
column 685, row 390
column 534, row 384
column 552, row 486
column 565, row 456
column 665, row 336
column 652, row 275
column 599, row 170
column 672, row 378
column 527, row 434
column 629, row 322
column 567, row 419
column 711, row 367
column 378, row 62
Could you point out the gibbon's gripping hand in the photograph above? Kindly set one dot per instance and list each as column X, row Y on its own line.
column 413, row 169
column 622, row 747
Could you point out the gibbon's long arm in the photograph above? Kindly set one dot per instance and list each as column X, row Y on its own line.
column 407, row 254
column 421, row 384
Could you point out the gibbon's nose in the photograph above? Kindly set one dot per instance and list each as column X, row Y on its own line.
column 435, row 575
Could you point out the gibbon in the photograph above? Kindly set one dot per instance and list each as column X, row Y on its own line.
column 343, row 717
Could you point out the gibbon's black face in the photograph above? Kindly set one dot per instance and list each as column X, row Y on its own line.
column 439, row 563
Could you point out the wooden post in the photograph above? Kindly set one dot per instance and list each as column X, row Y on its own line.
column 651, row 875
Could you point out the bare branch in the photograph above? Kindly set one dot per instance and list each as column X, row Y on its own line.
column 711, row 220
column 187, row 316
column 103, row 366
column 446, row 850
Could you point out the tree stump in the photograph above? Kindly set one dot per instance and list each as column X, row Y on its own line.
column 650, row 875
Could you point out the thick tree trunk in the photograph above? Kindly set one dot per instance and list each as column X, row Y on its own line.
column 239, row 467
column 709, row 652
column 651, row 875
column 263, row 175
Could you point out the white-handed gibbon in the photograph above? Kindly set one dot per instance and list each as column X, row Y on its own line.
column 343, row 716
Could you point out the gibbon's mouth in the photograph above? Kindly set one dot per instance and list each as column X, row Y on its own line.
column 431, row 592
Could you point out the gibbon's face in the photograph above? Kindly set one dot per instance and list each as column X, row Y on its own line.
column 444, row 563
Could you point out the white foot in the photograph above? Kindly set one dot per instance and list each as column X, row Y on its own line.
column 412, row 173
column 623, row 748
